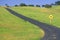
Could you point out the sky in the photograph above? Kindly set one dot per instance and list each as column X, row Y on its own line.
column 34, row 2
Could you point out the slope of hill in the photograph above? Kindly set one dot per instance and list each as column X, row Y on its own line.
column 14, row 28
column 41, row 14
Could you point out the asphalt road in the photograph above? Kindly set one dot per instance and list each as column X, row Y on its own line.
column 51, row 32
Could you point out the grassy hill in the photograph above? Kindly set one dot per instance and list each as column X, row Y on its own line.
column 14, row 28
column 41, row 14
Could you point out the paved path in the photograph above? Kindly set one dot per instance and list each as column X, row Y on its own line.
column 51, row 32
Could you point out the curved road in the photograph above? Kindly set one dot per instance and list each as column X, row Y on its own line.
column 51, row 32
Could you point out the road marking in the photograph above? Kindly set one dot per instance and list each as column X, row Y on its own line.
column 51, row 38
column 54, row 37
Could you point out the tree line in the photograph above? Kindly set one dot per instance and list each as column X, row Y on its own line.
column 46, row 5
column 23, row 4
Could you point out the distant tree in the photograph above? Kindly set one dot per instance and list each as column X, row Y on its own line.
column 57, row 3
column 16, row 5
column 6, row 5
column 47, row 6
column 23, row 4
column 52, row 4
column 43, row 5
column 31, row 5
column 37, row 5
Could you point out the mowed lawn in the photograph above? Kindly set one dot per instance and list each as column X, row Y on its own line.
column 41, row 14
column 14, row 28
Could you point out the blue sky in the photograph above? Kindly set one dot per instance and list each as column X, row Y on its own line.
column 35, row 2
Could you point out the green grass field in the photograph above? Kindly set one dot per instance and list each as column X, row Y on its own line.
column 41, row 14
column 14, row 28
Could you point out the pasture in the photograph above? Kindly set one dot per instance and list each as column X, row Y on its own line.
column 14, row 28
column 41, row 14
